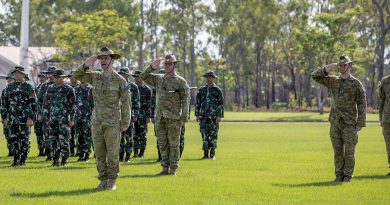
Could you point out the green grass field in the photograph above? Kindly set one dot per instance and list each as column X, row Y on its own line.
column 269, row 163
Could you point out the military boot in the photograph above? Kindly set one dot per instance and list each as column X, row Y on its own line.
column 181, row 151
column 141, row 153
column 111, row 184
column 206, row 154
column 121, row 156
column 102, row 185
column 347, row 179
column 22, row 161
column 48, row 154
column 64, row 162
column 159, row 156
column 15, row 162
column 56, row 162
column 212, row 153
column 86, row 157
column 40, row 153
column 81, row 157
column 338, row 179
column 172, row 172
column 10, row 154
column 72, row 152
column 127, row 158
column 165, row 171
column 135, row 153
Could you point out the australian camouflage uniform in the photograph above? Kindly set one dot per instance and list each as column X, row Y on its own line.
column 209, row 107
column 59, row 108
column 45, row 125
column 18, row 107
column 84, row 108
column 141, row 125
column 347, row 115
column 172, row 101
column 384, row 112
column 128, row 143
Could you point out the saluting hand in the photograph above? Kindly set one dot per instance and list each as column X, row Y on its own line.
column 90, row 61
column 330, row 67
column 155, row 64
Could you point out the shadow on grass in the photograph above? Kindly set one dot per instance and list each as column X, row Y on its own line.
column 194, row 159
column 68, row 168
column 311, row 184
column 54, row 193
column 142, row 176
column 371, row 177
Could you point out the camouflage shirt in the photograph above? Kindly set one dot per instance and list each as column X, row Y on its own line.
column 135, row 106
column 18, row 102
column 145, row 101
column 209, row 102
column 84, row 103
column 172, row 95
column 59, row 103
column 41, row 94
column 349, row 98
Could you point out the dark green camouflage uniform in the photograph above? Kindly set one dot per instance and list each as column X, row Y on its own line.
column 73, row 144
column 384, row 112
column 45, row 125
column 59, row 109
column 18, row 106
column 208, row 107
column 141, row 126
column 38, row 127
column 84, row 108
column 6, row 129
column 348, row 112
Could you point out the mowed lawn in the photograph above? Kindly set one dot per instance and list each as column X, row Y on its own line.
column 268, row 163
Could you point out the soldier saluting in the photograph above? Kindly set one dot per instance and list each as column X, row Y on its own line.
column 110, row 116
column 347, row 115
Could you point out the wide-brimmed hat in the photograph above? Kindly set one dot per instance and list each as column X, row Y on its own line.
column 137, row 74
column 60, row 72
column 107, row 52
column 170, row 58
column 125, row 71
column 51, row 69
column 10, row 75
column 344, row 59
column 42, row 74
column 210, row 73
column 22, row 70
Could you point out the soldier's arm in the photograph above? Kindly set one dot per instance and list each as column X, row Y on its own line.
column 5, row 104
column 361, row 106
column 125, row 104
column 149, row 77
column 31, row 103
column 322, row 77
column 198, row 103
column 382, row 99
column 184, row 92
column 221, row 102
column 135, row 102
column 81, row 74
column 72, row 105
column 91, row 99
column 149, row 112
column 40, row 98
column 153, row 103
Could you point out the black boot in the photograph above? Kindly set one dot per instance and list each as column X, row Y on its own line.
column 181, row 151
column 141, row 153
column 127, row 158
column 63, row 162
column 206, row 154
column 81, row 157
column 40, row 152
column 15, row 162
column 10, row 154
column 212, row 153
column 121, row 155
column 22, row 161
column 48, row 154
column 135, row 153
column 86, row 157
column 159, row 156
column 56, row 162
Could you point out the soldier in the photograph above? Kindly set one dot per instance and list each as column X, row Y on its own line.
column 384, row 110
column 171, row 110
column 110, row 116
column 141, row 125
column 59, row 107
column 10, row 79
column 209, row 112
column 127, row 140
column 347, row 114
column 38, row 125
column 41, row 117
column 84, row 108
column 153, row 107
column 19, row 114
column 72, row 143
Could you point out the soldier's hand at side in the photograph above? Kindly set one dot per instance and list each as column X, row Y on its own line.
column 39, row 118
column 5, row 122
column 147, row 120
column 197, row 119
column 134, row 119
column 155, row 64
column 182, row 123
column 29, row 123
column 90, row 61
column 218, row 119
column 359, row 128
column 70, row 124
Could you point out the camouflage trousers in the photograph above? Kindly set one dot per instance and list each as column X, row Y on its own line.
column 19, row 139
column 344, row 139
column 72, row 140
column 38, row 129
column 106, row 141
column 59, row 135
column 168, row 137
column 6, row 132
column 127, row 139
column 181, row 140
column 140, row 132
column 209, row 131
column 45, row 131
column 386, row 134
column 84, row 137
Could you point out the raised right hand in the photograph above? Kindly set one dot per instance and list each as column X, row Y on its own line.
column 90, row 61
column 155, row 64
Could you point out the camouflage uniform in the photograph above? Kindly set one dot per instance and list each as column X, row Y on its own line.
column 111, row 113
column 59, row 107
column 6, row 131
column 84, row 108
column 45, row 125
column 348, row 112
column 209, row 107
column 384, row 112
column 153, row 107
column 172, row 97
column 141, row 126
column 18, row 106
column 73, row 140
column 38, row 127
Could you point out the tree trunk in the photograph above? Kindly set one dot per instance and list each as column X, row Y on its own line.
column 141, row 42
